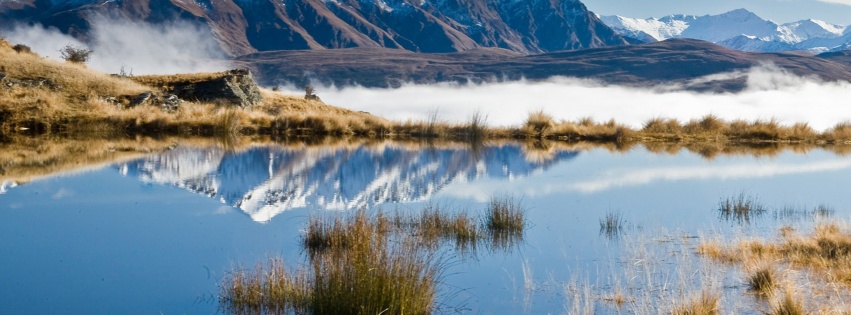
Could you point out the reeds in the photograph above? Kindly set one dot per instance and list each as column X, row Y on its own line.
column 363, row 264
column 356, row 266
column 612, row 224
column 505, row 221
column 740, row 208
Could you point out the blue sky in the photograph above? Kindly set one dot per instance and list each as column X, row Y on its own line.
column 780, row 11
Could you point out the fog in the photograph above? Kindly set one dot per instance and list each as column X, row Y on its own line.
column 771, row 93
column 142, row 48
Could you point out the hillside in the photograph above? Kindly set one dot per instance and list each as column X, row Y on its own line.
column 45, row 96
column 671, row 62
column 247, row 26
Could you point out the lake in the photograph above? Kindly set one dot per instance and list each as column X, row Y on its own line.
column 159, row 232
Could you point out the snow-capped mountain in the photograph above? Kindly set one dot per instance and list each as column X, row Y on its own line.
column 738, row 29
column 265, row 181
column 248, row 26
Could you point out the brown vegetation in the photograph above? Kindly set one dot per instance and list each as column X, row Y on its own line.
column 705, row 304
column 357, row 264
column 826, row 253
column 49, row 97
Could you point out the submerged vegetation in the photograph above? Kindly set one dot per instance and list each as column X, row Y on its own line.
column 365, row 264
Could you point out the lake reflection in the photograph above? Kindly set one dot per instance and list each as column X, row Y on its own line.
column 157, row 233
column 267, row 180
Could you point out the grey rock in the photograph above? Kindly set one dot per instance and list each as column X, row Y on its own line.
column 170, row 103
column 140, row 99
column 234, row 87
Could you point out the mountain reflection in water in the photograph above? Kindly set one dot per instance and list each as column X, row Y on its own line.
column 265, row 181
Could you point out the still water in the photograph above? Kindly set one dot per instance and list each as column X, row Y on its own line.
column 158, row 234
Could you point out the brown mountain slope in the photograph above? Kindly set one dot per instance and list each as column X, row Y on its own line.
column 679, row 61
column 246, row 26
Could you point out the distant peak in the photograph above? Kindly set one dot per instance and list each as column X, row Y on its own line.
column 741, row 12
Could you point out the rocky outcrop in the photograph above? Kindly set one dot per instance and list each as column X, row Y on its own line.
column 234, row 87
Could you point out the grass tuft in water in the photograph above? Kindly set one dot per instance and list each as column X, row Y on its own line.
column 612, row 225
column 788, row 304
column 505, row 221
column 434, row 224
column 266, row 289
column 706, row 304
column 740, row 208
column 356, row 266
column 761, row 279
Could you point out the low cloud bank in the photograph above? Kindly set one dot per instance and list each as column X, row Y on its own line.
column 142, row 48
column 771, row 93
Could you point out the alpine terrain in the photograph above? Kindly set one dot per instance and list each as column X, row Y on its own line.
column 738, row 29
column 247, row 26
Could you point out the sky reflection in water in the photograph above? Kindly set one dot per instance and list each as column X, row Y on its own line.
column 158, row 233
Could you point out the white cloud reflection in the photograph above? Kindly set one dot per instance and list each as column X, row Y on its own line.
column 614, row 177
column 618, row 178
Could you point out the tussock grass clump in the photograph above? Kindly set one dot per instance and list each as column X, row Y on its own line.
column 539, row 123
column 505, row 214
column 788, row 304
column 476, row 128
column 268, row 289
column 434, row 224
column 709, row 124
column 505, row 221
column 342, row 233
column 706, row 304
column 761, row 279
column 662, row 126
column 356, row 267
column 839, row 133
column 740, row 208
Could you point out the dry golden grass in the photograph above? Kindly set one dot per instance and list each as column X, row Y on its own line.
column 73, row 98
column 761, row 278
column 826, row 253
column 358, row 267
column 705, row 304
column 787, row 304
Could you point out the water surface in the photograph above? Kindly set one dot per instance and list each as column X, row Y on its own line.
column 158, row 233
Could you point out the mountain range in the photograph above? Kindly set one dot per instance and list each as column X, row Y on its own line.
column 428, row 26
column 674, row 64
column 386, row 43
column 266, row 180
column 738, row 29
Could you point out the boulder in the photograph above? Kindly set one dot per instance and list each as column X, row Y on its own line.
column 235, row 87
column 170, row 103
column 140, row 99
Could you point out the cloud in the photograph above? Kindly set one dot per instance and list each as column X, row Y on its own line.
column 173, row 47
column 771, row 93
column 609, row 179
column 842, row 2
